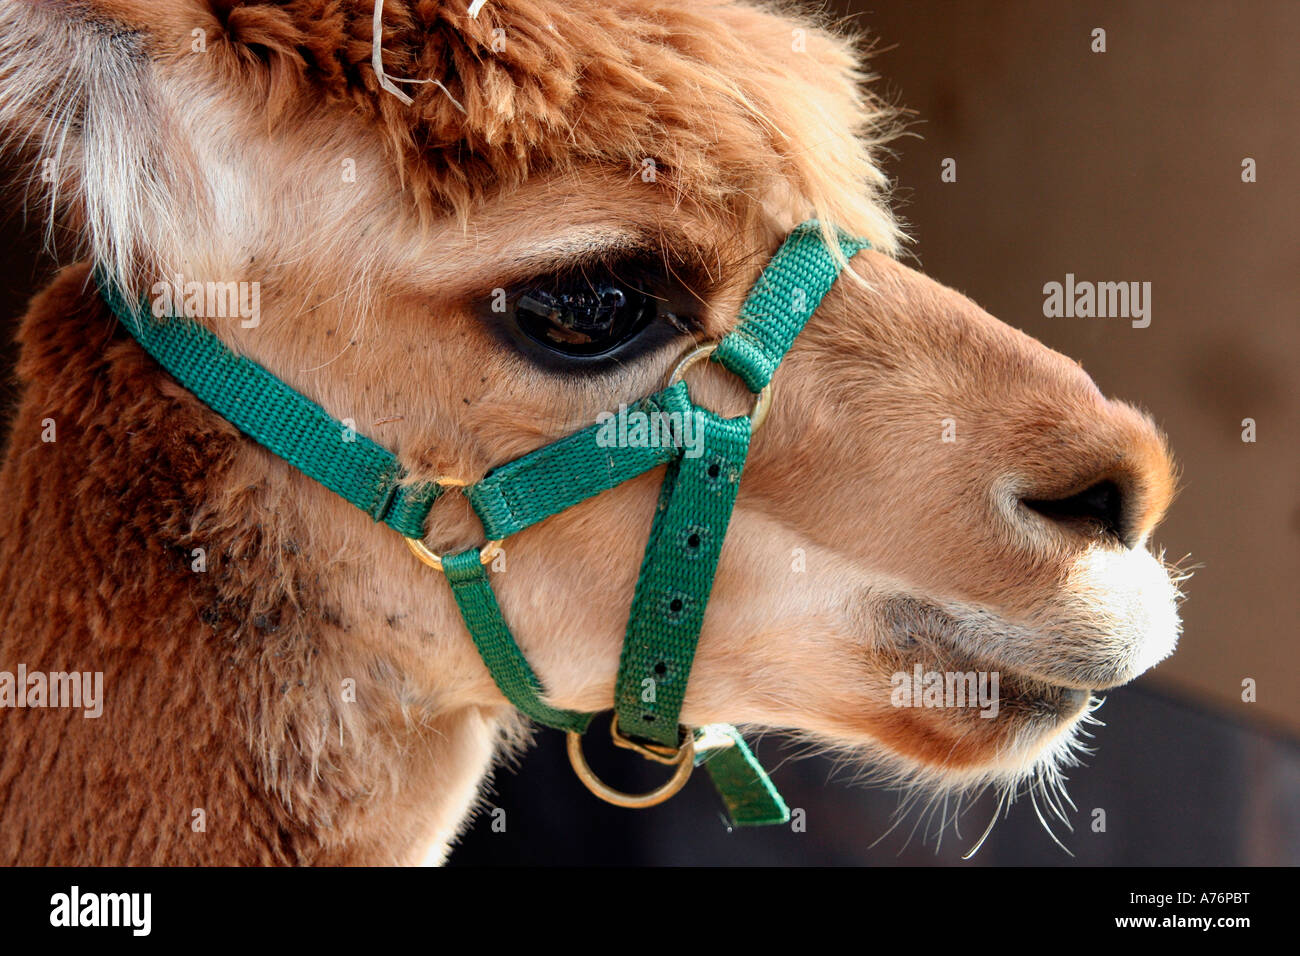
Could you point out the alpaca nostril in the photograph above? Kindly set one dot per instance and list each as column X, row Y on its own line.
column 1100, row 509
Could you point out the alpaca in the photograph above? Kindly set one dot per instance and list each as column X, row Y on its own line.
column 392, row 189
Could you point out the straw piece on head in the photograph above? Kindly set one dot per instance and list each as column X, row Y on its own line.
column 377, row 63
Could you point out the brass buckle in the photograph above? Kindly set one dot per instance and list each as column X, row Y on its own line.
column 421, row 551
column 762, row 402
column 682, row 757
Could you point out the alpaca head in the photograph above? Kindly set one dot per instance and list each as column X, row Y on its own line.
column 933, row 489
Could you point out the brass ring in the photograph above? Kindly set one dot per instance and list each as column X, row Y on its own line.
column 684, row 761
column 421, row 551
column 762, row 402
column 418, row 548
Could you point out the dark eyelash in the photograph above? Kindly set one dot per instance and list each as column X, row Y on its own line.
column 649, row 262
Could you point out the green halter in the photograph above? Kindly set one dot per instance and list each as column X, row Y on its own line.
column 686, row 536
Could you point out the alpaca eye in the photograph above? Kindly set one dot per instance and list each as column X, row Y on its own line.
column 589, row 317
column 583, row 316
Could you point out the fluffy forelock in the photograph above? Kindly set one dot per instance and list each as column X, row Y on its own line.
column 734, row 102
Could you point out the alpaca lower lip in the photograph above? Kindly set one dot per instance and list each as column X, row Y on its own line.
column 968, row 682
column 1035, row 698
column 1074, row 698
column 1072, row 701
column 985, row 643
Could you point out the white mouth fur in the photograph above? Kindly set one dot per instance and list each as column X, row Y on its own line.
column 1118, row 620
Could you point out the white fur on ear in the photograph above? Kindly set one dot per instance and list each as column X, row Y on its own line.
column 377, row 61
column 83, row 112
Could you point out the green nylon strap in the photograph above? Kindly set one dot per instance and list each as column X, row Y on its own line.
column 672, row 591
column 556, row 477
column 781, row 302
column 505, row 661
column 573, row 469
column 686, row 539
column 281, row 419
column 690, row 523
column 746, row 790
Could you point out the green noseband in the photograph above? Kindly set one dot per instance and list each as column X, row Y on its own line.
column 690, row 523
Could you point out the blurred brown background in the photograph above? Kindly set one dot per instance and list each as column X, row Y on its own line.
column 1115, row 166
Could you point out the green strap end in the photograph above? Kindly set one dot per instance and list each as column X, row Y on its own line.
column 748, row 793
